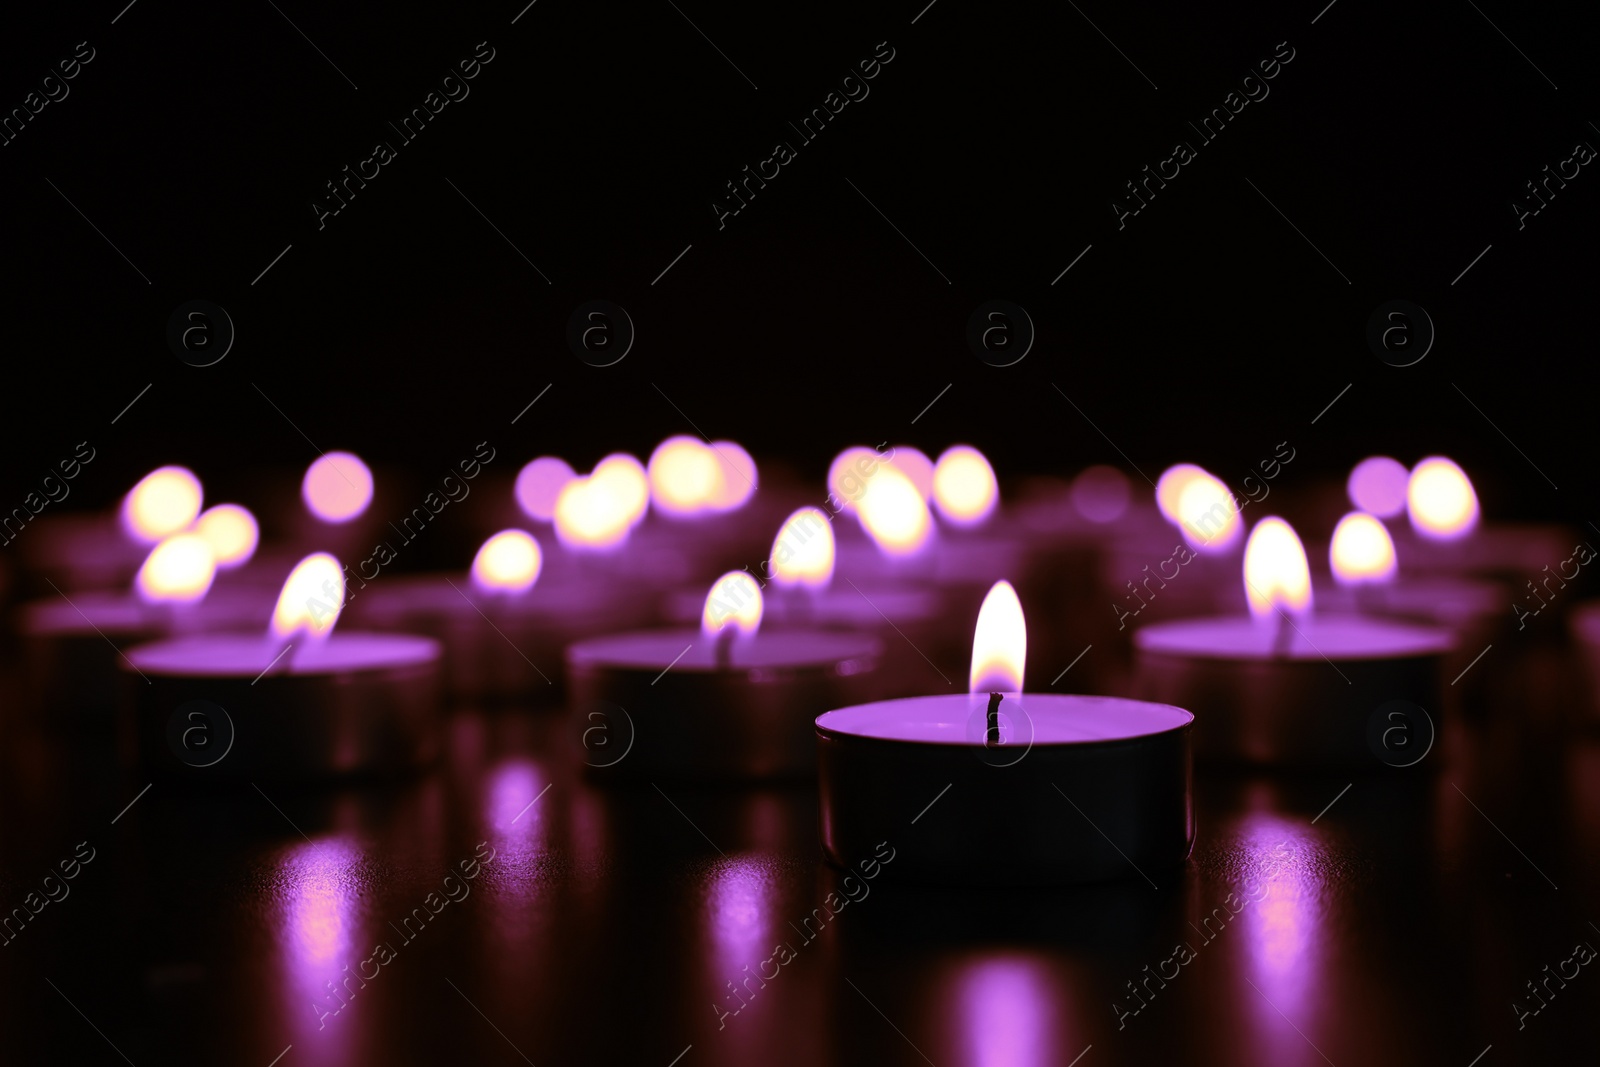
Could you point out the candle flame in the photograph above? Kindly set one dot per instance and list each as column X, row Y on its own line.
column 999, row 643
column 1361, row 551
column 1441, row 500
column 734, row 600
column 684, row 475
column 509, row 561
column 179, row 570
column 232, row 532
column 311, row 600
column 893, row 513
column 163, row 502
column 337, row 487
column 803, row 553
column 1170, row 486
column 625, row 479
column 598, row 511
column 849, row 473
column 914, row 464
column 1276, row 574
column 1377, row 485
column 736, row 476
column 539, row 484
column 1208, row 514
column 964, row 488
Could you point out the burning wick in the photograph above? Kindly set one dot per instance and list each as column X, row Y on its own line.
column 733, row 607
column 994, row 720
column 1284, row 636
column 723, row 647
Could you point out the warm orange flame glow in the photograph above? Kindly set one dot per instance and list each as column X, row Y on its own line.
column 684, row 475
column 232, row 531
column 1208, row 514
column 914, row 464
column 163, row 502
column 312, row 597
column 508, row 562
column 1440, row 500
column 734, row 601
column 1170, row 486
column 893, row 513
column 736, row 476
column 964, row 488
column 999, row 643
column 337, row 487
column 803, row 553
column 1361, row 551
column 1276, row 574
column 178, row 570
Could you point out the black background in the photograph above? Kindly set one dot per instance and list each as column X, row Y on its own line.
column 996, row 140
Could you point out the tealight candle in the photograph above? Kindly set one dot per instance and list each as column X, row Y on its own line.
column 76, row 551
column 799, row 593
column 502, row 628
column 1286, row 686
column 729, row 701
column 300, row 702
column 1446, row 535
column 1044, row 789
column 1362, row 561
column 72, row 641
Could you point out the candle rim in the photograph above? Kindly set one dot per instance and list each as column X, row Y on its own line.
column 829, row 732
column 1424, row 640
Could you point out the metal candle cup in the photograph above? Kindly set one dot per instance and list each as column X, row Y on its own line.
column 356, row 703
column 1312, row 704
column 665, row 707
column 919, row 774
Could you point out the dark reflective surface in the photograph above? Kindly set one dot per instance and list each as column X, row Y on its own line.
column 1397, row 925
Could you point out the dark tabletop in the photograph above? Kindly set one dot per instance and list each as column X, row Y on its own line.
column 1392, row 917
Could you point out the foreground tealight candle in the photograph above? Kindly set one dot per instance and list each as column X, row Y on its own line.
column 298, row 702
column 1043, row 789
column 1286, row 686
column 729, row 701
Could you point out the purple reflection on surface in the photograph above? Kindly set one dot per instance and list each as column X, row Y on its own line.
column 515, row 790
column 1281, row 919
column 321, row 885
column 1006, row 1007
column 1378, row 485
column 739, row 903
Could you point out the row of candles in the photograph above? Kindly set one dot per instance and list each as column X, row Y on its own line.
column 731, row 699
